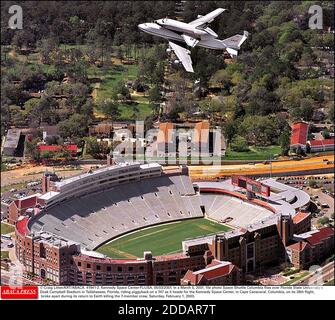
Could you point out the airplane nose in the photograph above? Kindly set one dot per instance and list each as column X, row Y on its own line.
column 142, row 26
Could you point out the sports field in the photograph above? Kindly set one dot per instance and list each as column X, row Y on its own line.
column 162, row 239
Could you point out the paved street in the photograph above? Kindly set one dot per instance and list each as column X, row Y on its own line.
column 326, row 273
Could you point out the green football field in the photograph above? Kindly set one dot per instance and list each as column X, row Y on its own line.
column 161, row 239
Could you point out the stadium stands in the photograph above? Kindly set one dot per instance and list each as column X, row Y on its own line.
column 100, row 216
column 233, row 211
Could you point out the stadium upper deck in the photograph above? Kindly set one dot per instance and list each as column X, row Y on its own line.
column 100, row 214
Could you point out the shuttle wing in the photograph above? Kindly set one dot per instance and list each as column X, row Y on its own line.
column 183, row 55
column 189, row 40
column 208, row 18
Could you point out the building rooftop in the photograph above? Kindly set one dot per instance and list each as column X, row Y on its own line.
column 106, row 169
column 314, row 237
column 214, row 270
column 12, row 138
column 325, row 142
column 53, row 148
column 299, row 133
column 319, row 236
column 300, row 216
column 48, row 195
column 300, row 246
column 52, row 239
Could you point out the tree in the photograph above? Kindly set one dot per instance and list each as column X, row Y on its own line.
column 239, row 144
column 47, row 48
column 230, row 130
column 110, row 109
column 323, row 220
column 17, row 116
column 75, row 126
column 88, row 108
column 285, row 141
column 120, row 90
column 92, row 146
column 259, row 130
column 41, row 110
column 222, row 79
column 154, row 94
column 331, row 114
column 312, row 183
column 32, row 111
column 31, row 149
column 96, row 149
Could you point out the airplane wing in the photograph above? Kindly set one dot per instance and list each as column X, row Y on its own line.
column 236, row 41
column 208, row 18
column 183, row 55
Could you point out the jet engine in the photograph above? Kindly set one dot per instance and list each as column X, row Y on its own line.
column 199, row 16
column 176, row 61
column 168, row 50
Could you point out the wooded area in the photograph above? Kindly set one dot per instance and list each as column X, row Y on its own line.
column 71, row 62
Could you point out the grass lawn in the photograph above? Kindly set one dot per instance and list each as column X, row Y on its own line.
column 135, row 112
column 296, row 278
column 6, row 228
column 254, row 153
column 162, row 239
column 109, row 78
column 4, row 254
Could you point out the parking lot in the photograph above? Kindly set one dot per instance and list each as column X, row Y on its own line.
column 322, row 195
column 324, row 201
column 326, row 181
column 6, row 244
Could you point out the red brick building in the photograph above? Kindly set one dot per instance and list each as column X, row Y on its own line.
column 19, row 206
column 322, row 145
column 311, row 248
column 216, row 273
column 302, row 222
column 71, row 148
column 61, row 261
column 299, row 135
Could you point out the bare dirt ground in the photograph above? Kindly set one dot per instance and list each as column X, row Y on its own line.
column 33, row 173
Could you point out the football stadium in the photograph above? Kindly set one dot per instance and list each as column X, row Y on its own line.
column 137, row 224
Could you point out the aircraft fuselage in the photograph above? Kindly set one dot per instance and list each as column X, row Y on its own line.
column 173, row 29
column 183, row 27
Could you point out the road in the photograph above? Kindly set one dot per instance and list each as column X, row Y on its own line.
column 319, row 277
column 289, row 166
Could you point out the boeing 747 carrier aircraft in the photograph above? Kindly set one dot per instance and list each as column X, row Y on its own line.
column 195, row 33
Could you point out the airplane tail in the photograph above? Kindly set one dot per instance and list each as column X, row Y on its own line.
column 234, row 43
